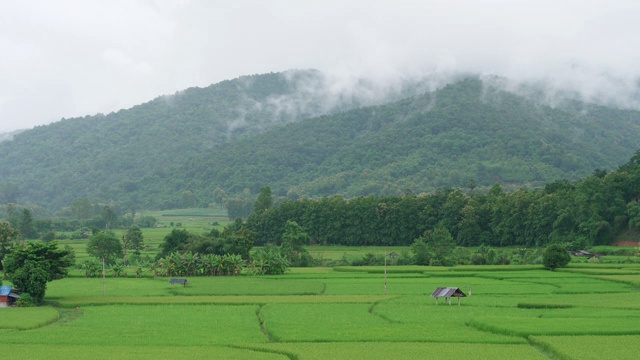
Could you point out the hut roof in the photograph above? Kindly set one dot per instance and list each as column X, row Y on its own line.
column 5, row 290
column 448, row 292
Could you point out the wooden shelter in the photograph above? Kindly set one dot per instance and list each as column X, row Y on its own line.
column 174, row 281
column 447, row 293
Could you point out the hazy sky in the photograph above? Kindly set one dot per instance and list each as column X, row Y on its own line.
column 72, row 58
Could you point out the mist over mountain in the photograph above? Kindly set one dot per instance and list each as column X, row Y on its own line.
column 9, row 135
column 106, row 156
column 307, row 134
column 468, row 130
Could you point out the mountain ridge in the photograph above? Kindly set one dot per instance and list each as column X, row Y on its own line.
column 264, row 130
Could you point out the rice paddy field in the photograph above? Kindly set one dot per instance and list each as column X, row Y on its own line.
column 585, row 311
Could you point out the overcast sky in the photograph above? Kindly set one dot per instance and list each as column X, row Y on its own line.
column 73, row 58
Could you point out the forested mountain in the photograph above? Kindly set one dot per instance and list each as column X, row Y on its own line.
column 106, row 156
column 249, row 132
column 465, row 131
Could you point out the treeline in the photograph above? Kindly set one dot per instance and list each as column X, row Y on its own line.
column 82, row 218
column 592, row 211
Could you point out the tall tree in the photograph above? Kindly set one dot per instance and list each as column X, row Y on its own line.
column 135, row 239
column 264, row 201
column 109, row 216
column 173, row 242
column 8, row 236
column 26, row 224
column 293, row 241
column 105, row 246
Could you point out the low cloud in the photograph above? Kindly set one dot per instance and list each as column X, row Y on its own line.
column 69, row 58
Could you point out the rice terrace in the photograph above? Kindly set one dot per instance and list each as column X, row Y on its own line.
column 583, row 311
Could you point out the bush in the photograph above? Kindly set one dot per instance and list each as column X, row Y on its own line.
column 555, row 256
column 26, row 300
column 147, row 222
column 370, row 259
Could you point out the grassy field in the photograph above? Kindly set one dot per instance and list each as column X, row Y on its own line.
column 589, row 311
column 584, row 311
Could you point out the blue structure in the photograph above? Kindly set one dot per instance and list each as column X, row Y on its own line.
column 8, row 296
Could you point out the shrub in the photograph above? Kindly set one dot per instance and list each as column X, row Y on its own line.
column 26, row 300
column 555, row 256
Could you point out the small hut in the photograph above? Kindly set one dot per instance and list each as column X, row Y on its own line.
column 447, row 293
column 8, row 296
column 181, row 281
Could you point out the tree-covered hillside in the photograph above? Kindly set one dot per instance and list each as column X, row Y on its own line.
column 465, row 131
column 107, row 156
column 249, row 132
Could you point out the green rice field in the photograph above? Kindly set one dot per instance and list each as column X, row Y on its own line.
column 582, row 312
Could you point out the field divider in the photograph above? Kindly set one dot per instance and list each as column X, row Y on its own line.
column 221, row 299
column 546, row 349
column 263, row 325
column 372, row 311
column 290, row 355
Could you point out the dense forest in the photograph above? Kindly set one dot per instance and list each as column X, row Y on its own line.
column 465, row 131
column 234, row 137
column 592, row 211
column 107, row 157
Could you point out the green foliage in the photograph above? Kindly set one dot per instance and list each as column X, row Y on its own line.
column 293, row 241
column 264, row 201
column 420, row 249
column 31, row 266
column 269, row 261
column 26, row 224
column 555, row 256
column 32, row 279
column 104, row 246
column 147, row 222
column 8, row 235
column 134, row 239
column 592, row 211
column 45, row 256
column 91, row 268
column 173, row 242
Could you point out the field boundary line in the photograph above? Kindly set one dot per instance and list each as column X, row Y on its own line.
column 263, row 325
column 545, row 349
column 290, row 355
